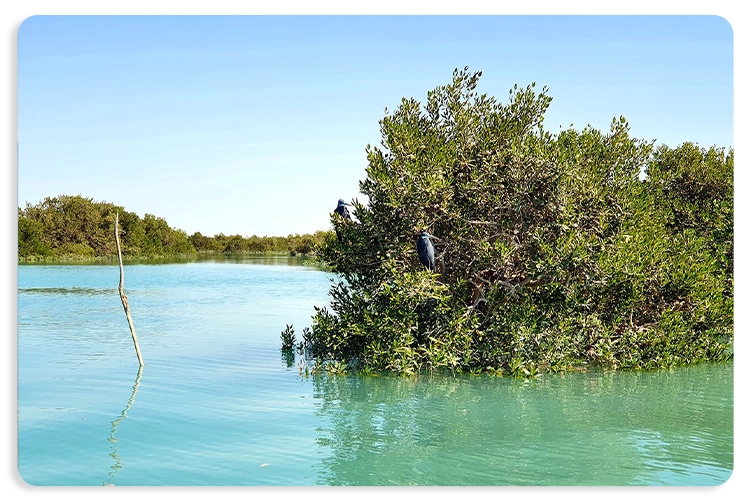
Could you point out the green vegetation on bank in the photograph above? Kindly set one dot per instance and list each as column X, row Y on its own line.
column 553, row 251
column 77, row 228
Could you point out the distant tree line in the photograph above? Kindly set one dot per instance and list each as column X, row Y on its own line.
column 75, row 227
column 293, row 244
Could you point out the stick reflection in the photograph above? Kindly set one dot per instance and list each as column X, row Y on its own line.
column 116, row 422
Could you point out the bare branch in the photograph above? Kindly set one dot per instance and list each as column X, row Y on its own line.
column 123, row 297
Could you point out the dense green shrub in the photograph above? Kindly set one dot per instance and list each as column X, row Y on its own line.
column 74, row 227
column 552, row 250
column 30, row 236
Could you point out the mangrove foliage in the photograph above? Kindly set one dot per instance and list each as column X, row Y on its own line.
column 553, row 251
column 77, row 228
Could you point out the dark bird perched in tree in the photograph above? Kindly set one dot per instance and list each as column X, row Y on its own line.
column 344, row 213
column 342, row 210
column 426, row 250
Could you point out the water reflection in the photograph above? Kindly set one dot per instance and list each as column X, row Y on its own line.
column 115, row 423
column 83, row 291
column 260, row 259
column 268, row 259
column 287, row 355
column 576, row 429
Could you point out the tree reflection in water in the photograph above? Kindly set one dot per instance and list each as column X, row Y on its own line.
column 571, row 429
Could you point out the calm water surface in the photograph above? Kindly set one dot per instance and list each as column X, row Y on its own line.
column 217, row 404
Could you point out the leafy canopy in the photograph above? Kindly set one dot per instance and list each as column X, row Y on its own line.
column 552, row 251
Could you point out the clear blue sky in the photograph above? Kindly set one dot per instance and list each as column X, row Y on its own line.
column 257, row 125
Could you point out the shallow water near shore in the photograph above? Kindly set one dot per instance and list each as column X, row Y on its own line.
column 218, row 404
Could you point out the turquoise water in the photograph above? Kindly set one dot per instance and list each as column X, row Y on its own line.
column 217, row 404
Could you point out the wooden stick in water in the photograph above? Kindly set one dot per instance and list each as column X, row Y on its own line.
column 123, row 297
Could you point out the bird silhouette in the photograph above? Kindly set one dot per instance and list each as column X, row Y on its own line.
column 342, row 210
column 426, row 250
column 344, row 213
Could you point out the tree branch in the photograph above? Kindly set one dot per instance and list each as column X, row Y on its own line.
column 123, row 297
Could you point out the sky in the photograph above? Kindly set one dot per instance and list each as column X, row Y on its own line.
column 259, row 124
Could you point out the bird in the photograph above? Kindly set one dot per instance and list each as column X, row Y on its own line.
column 342, row 210
column 426, row 250
column 344, row 213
